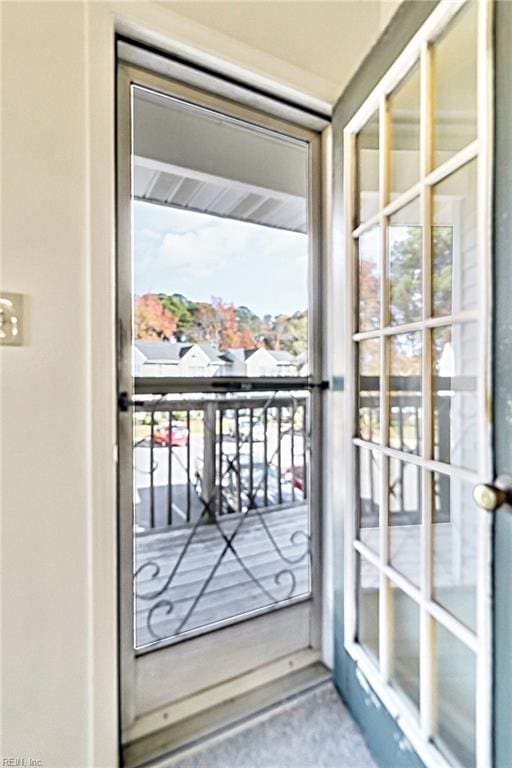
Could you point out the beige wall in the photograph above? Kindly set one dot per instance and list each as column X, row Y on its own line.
column 44, row 446
column 58, row 391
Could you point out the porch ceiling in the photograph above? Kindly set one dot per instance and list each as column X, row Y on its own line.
column 187, row 189
column 194, row 160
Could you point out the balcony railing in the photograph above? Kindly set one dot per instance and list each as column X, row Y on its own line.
column 220, row 509
column 218, row 456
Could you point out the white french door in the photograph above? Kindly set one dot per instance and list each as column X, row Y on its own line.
column 418, row 580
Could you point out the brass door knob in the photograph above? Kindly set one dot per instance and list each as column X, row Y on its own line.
column 490, row 496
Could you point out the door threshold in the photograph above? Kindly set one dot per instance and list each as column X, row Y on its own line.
column 153, row 750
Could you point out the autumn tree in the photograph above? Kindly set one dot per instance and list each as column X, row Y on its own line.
column 250, row 327
column 205, row 327
column 152, row 320
column 222, row 324
column 215, row 323
column 183, row 309
column 229, row 336
column 297, row 333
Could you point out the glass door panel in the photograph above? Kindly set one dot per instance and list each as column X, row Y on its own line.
column 454, row 243
column 218, row 357
column 419, row 545
column 405, row 519
column 220, row 291
column 405, row 655
column 368, row 169
column 368, row 607
column 369, row 476
column 369, row 279
column 405, row 278
column 455, row 394
column 369, row 390
column 455, row 548
column 405, row 392
column 404, row 105
column 456, row 702
column 455, row 84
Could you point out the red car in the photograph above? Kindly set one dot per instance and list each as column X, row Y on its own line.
column 178, row 435
column 297, row 474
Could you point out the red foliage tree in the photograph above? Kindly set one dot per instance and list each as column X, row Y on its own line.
column 152, row 320
column 216, row 323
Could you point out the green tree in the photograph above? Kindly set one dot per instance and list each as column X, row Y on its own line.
column 442, row 260
column 405, row 272
column 183, row 310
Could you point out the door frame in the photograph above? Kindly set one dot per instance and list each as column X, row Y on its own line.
column 295, row 654
column 355, row 675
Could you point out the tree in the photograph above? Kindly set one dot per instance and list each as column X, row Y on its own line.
column 250, row 328
column 183, row 310
column 227, row 318
column 286, row 333
column 215, row 323
column 369, row 298
column 205, row 327
column 405, row 268
column 442, row 260
column 297, row 333
column 405, row 272
column 222, row 324
column 152, row 320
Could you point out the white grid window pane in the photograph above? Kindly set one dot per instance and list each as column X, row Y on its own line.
column 368, row 607
column 368, row 169
column 405, row 519
column 369, row 479
column 455, row 694
column 405, row 666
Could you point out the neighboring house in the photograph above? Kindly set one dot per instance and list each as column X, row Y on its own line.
column 257, row 362
column 168, row 358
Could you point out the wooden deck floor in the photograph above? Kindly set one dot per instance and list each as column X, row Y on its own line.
column 193, row 578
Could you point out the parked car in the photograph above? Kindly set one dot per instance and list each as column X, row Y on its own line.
column 230, row 483
column 297, row 475
column 178, row 435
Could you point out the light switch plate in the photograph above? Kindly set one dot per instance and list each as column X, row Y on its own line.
column 11, row 319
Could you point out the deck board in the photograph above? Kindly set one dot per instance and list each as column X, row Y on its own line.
column 273, row 566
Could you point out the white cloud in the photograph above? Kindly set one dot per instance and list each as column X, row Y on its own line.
column 195, row 254
column 263, row 268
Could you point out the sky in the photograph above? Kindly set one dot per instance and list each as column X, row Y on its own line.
column 201, row 256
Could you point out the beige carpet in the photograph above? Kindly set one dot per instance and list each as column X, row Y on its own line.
column 313, row 730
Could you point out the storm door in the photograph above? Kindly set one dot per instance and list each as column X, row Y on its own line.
column 219, row 396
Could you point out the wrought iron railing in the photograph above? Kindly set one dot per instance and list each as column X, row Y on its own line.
column 220, row 509
column 223, row 454
column 405, row 427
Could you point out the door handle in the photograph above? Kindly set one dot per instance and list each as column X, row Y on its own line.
column 490, row 496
